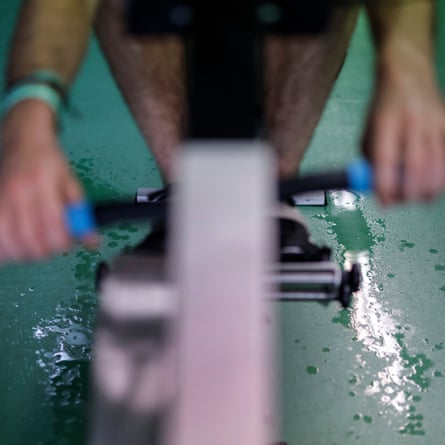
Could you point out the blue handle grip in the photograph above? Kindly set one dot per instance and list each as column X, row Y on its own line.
column 360, row 176
column 79, row 219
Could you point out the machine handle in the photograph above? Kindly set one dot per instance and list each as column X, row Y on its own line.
column 357, row 176
column 360, row 176
column 79, row 219
column 82, row 218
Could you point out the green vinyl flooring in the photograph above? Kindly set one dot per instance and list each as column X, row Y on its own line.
column 372, row 374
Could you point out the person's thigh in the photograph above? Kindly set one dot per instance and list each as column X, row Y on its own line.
column 299, row 74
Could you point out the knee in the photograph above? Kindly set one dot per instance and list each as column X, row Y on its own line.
column 287, row 168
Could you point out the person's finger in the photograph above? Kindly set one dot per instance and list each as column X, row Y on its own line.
column 442, row 148
column 52, row 220
column 14, row 220
column 72, row 191
column 91, row 240
column 414, row 165
column 8, row 242
column 385, row 153
column 29, row 234
column 436, row 165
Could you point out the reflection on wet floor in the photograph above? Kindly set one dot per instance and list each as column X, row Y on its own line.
column 69, row 333
column 66, row 364
column 400, row 378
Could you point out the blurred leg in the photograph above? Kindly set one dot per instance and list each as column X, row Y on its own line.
column 299, row 75
column 150, row 74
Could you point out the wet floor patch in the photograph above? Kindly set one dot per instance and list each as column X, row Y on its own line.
column 376, row 382
column 397, row 379
column 64, row 342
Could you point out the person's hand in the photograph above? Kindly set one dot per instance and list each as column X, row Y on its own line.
column 36, row 184
column 405, row 134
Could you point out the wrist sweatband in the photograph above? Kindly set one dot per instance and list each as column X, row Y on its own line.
column 44, row 85
column 31, row 91
column 44, row 77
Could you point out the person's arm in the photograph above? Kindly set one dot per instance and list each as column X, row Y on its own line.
column 36, row 182
column 405, row 136
column 51, row 34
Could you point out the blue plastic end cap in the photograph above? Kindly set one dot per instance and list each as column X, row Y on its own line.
column 360, row 176
column 80, row 219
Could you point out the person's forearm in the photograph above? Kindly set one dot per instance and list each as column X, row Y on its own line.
column 403, row 29
column 50, row 34
column 404, row 134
